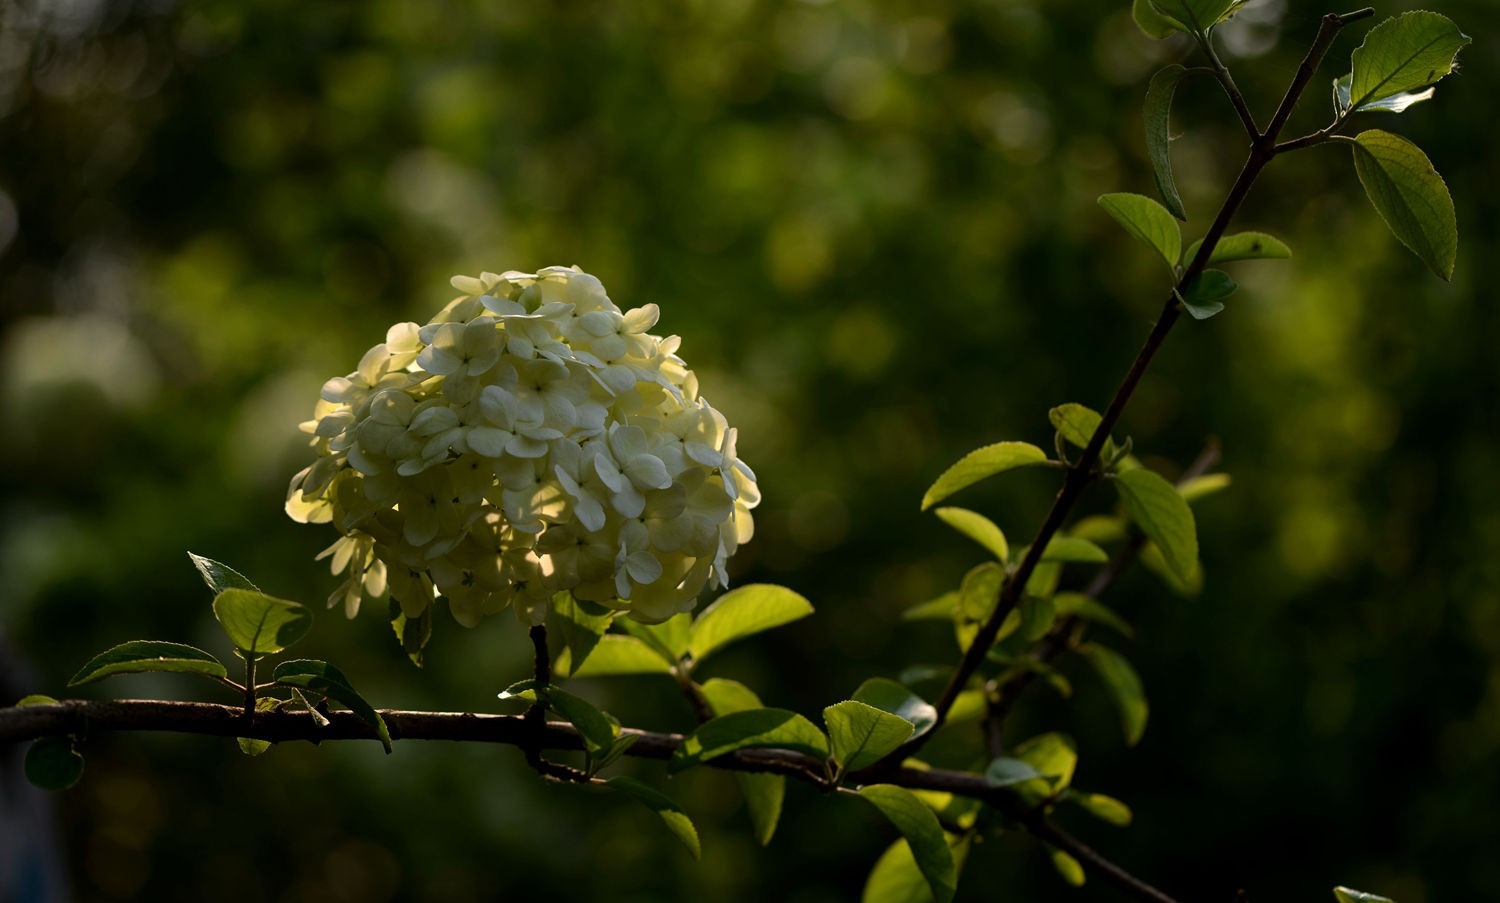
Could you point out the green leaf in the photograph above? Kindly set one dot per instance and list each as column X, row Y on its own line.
column 940, row 608
column 580, row 625
column 1197, row 15
column 1089, row 609
column 253, row 747
column 1349, row 895
column 1242, row 246
column 411, row 633
column 321, row 677
column 1152, row 21
column 1205, row 295
column 742, row 612
column 618, row 654
column 1068, row 868
column 763, row 794
column 1070, row 549
column 1037, row 615
column 1401, row 55
column 978, row 528
column 220, row 577
column 598, row 730
column 523, row 690
column 35, row 699
column 52, row 763
column 258, row 624
column 726, row 696
column 1201, row 487
column 979, row 464
column 1055, row 757
column 1105, row 808
column 861, row 735
column 1146, row 220
column 981, row 590
column 1124, row 687
column 1009, row 772
column 149, row 655
column 920, row 828
column 1157, row 116
column 1396, row 103
column 1076, row 423
column 671, row 814
column 896, row 878
column 670, row 637
column 1186, row 588
column 889, row 696
column 1160, row 511
column 755, row 729
column 1410, row 196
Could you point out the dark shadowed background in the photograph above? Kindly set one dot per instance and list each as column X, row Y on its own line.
column 873, row 224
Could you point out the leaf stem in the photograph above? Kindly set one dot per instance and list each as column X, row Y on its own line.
column 1226, row 81
column 249, row 687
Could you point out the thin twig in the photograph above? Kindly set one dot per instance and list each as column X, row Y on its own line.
column 1226, row 81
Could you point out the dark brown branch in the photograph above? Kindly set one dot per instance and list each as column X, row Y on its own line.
column 1090, row 859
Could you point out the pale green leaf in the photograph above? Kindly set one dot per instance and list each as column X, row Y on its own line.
column 35, row 699
column 1076, row 423
column 1157, row 117
column 742, row 612
column 1197, row 15
column 978, row 528
column 920, row 828
column 754, row 729
column 1068, row 868
column 896, row 878
column 671, row 814
column 580, row 625
column 1054, row 756
column 979, row 464
column 1009, row 772
column 1153, row 22
column 137, row 656
column 1187, row 588
column 726, row 696
column 1146, row 220
column 1242, row 246
column 1410, row 196
column 1349, row 895
column 860, row 735
column 889, row 696
column 258, row 624
column 1160, row 511
column 763, row 794
column 1403, row 54
column 1201, row 487
column 1204, row 296
column 220, row 577
column 980, row 591
column 1070, row 550
column 670, row 637
column 1105, row 808
column 940, row 608
column 1037, row 615
column 1124, row 687
column 618, row 654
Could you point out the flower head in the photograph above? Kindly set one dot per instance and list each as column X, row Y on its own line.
column 531, row 439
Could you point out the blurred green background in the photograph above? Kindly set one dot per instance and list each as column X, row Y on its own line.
column 874, row 225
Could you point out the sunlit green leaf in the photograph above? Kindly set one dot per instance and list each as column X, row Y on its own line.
column 1151, row 21
column 896, row 878
column 1198, row 15
column 979, row 464
column 1054, row 756
column 1069, row 549
column 411, row 633
column 890, row 696
column 1410, row 196
column 1160, row 511
column 1008, row 772
column 763, row 794
column 940, row 608
column 579, row 625
column 755, row 729
column 1242, row 246
column 920, row 828
column 598, row 730
column 52, row 763
column 670, row 637
column 1037, row 615
column 1396, row 103
column 1349, row 895
column 743, row 612
column 980, row 590
column 671, row 814
column 1076, row 423
column 1153, row 561
column 1401, row 55
column 618, row 654
column 860, row 734
column 220, row 577
column 1146, row 220
column 726, row 696
column 321, row 677
column 258, row 624
column 1104, row 808
column 35, row 699
column 1201, row 487
column 1068, row 868
column 978, row 528
column 1157, row 116
column 1124, row 687
column 149, row 655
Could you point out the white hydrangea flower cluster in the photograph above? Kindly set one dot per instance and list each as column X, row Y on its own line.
column 531, row 439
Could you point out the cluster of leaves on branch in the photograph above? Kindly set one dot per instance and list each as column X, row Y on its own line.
column 534, row 446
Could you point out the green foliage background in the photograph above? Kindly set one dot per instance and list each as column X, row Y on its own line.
column 874, row 225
